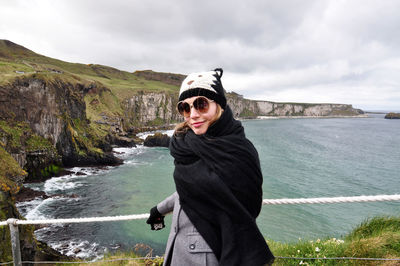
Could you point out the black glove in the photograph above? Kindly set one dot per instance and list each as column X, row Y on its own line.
column 156, row 220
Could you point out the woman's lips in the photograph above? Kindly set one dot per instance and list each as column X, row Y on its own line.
column 197, row 124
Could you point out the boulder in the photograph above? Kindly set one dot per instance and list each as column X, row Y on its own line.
column 120, row 141
column 157, row 140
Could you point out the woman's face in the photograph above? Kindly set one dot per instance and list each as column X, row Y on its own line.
column 199, row 122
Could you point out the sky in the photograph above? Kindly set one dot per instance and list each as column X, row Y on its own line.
column 313, row 51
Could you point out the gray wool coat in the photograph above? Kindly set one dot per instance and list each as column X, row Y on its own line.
column 185, row 245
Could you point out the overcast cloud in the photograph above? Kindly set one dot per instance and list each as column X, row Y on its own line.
column 289, row 51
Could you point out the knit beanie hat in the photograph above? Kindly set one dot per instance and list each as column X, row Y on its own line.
column 206, row 84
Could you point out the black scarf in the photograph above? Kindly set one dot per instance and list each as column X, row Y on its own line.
column 218, row 179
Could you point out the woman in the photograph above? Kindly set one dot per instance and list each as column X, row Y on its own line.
column 218, row 183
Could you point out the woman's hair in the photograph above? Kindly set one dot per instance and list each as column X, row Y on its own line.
column 183, row 127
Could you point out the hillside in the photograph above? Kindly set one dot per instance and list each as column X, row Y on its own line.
column 16, row 60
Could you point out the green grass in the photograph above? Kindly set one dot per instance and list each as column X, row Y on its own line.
column 83, row 137
column 123, row 84
column 375, row 238
column 247, row 113
column 11, row 67
column 9, row 168
column 19, row 135
column 36, row 142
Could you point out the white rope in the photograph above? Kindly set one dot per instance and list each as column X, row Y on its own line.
column 265, row 202
column 82, row 220
column 332, row 200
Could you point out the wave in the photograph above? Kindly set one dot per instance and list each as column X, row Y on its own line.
column 73, row 180
column 144, row 135
column 124, row 153
column 35, row 209
column 78, row 248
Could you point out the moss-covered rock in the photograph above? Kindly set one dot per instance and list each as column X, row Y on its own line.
column 54, row 110
column 33, row 153
column 11, row 177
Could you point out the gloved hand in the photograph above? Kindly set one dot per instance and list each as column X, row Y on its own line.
column 156, row 220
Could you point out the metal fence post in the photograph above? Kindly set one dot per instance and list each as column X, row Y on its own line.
column 16, row 250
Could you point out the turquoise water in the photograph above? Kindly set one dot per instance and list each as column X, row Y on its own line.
column 299, row 158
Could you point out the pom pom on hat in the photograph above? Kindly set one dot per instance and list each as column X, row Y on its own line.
column 206, row 84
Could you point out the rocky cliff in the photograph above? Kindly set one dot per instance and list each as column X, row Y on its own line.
column 11, row 178
column 55, row 113
column 147, row 109
column 250, row 108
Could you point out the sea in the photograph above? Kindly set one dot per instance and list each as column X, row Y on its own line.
column 300, row 158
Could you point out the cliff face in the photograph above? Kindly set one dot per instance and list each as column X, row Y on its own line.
column 11, row 179
column 150, row 109
column 248, row 108
column 55, row 111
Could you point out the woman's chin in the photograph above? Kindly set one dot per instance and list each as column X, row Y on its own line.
column 199, row 130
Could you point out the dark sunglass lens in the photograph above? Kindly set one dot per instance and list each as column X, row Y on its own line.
column 183, row 108
column 186, row 107
column 201, row 104
column 180, row 108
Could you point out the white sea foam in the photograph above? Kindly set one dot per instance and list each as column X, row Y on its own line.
column 72, row 247
column 124, row 153
column 144, row 135
column 73, row 180
column 78, row 248
column 136, row 162
column 61, row 183
column 34, row 209
column 25, row 207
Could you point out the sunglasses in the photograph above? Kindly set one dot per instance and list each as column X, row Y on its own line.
column 201, row 104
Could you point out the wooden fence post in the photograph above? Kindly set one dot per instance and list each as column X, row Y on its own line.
column 16, row 250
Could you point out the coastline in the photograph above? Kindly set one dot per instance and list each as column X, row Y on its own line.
column 310, row 116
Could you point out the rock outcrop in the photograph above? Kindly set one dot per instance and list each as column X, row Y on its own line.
column 392, row 116
column 11, row 178
column 157, row 140
column 55, row 111
column 147, row 109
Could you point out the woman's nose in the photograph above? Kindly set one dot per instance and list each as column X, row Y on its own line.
column 194, row 113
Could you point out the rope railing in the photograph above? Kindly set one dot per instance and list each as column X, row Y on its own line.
column 78, row 220
column 325, row 200
column 13, row 223
column 332, row 200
